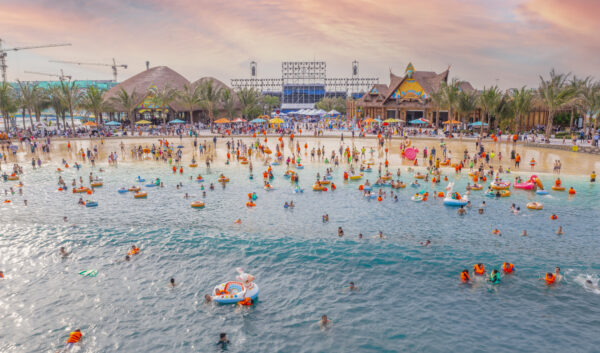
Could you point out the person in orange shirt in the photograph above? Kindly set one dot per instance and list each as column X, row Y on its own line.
column 517, row 160
column 134, row 250
column 464, row 276
column 74, row 337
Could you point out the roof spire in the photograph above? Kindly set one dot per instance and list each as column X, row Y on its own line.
column 410, row 69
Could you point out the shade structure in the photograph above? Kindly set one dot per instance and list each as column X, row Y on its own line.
column 257, row 121
column 113, row 123
column 369, row 121
column 478, row 123
column 143, row 122
column 378, row 120
column 451, row 122
column 90, row 123
column 418, row 121
column 276, row 121
column 391, row 120
column 333, row 112
column 222, row 121
column 176, row 121
column 239, row 120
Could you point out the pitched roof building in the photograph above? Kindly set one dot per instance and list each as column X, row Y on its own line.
column 406, row 97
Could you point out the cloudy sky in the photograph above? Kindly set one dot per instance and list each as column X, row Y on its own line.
column 508, row 42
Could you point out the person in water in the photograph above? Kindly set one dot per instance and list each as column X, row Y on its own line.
column 207, row 299
column 352, row 287
column 426, row 243
column 134, row 250
column 480, row 211
column 360, row 236
column 494, row 277
column 74, row 337
column 223, row 341
column 172, row 282
column 1, row 274
column 464, row 276
column 340, row 232
column 461, row 211
column 325, row 323
column 524, row 234
column 325, row 218
column 559, row 231
column 63, row 252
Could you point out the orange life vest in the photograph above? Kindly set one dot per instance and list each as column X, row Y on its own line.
column 550, row 278
column 479, row 270
column 508, row 267
column 246, row 301
column 74, row 337
column 134, row 251
column 464, row 276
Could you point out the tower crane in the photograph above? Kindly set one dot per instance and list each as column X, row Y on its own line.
column 61, row 77
column 3, row 53
column 114, row 65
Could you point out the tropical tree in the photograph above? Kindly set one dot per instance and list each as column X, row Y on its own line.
column 332, row 103
column 190, row 98
column 269, row 103
column 489, row 101
column 577, row 104
column 249, row 100
column 521, row 103
column 555, row 94
column 70, row 95
column 126, row 102
column 590, row 102
column 39, row 102
column 437, row 101
column 162, row 98
column 210, row 97
column 451, row 97
column 228, row 102
column 92, row 101
column 7, row 103
column 53, row 93
column 467, row 104
column 504, row 113
column 28, row 93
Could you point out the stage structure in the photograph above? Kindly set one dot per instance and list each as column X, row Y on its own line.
column 304, row 83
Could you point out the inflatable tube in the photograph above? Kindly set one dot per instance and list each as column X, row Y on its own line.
column 250, row 204
column 223, row 180
column 535, row 206
column 150, row 185
column 558, row 188
column 140, row 195
column 122, row 190
column 448, row 201
column 97, row 184
column 134, row 188
column 411, row 153
column 193, row 165
column 80, row 190
column 89, row 273
column 197, row 204
column 542, row 192
column 140, row 180
column 356, row 177
column 233, row 292
column 91, row 204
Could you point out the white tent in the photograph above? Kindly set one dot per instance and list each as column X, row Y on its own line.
column 333, row 112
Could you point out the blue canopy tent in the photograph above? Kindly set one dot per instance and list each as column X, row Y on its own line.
column 257, row 121
column 478, row 123
column 113, row 123
column 176, row 121
column 417, row 121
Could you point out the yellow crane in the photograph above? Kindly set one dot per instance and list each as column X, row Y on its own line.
column 61, row 77
column 3, row 54
column 114, row 65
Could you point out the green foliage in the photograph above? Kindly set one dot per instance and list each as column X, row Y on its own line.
column 332, row 103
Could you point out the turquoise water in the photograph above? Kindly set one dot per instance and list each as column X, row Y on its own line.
column 410, row 297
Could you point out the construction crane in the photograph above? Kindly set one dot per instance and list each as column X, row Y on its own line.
column 114, row 65
column 3, row 53
column 61, row 77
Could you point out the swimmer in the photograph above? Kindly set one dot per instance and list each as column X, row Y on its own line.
column 464, row 276
column 352, row 288
column 74, row 337
column 340, row 232
column 524, row 234
column 172, row 282
column 461, row 211
column 1, row 274
column 63, row 252
column 186, row 196
column 480, row 211
column 325, row 323
column 559, row 231
column 426, row 243
column 360, row 236
column 516, row 210
column 207, row 299
column 134, row 250
column 223, row 341
column 127, row 258
column 469, row 204
column 292, row 204
column 494, row 277
column 496, row 232
column 325, row 218
column 238, row 221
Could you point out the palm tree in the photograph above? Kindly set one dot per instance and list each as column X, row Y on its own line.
column 488, row 102
column 190, row 98
column 437, row 100
column 504, row 113
column 270, row 102
column 579, row 85
column 249, row 99
column 451, row 97
column 57, row 104
column 211, row 96
column 590, row 102
column 28, row 93
column 162, row 99
column 7, row 103
column 128, row 103
column 521, row 100
column 39, row 102
column 555, row 94
column 70, row 94
column 93, row 102
column 467, row 104
column 228, row 102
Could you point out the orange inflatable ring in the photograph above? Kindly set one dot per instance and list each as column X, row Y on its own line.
column 140, row 195
column 197, row 204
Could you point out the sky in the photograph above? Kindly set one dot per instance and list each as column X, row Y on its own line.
column 508, row 43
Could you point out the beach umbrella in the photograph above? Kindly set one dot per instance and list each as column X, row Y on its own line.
column 239, row 120
column 276, row 121
column 333, row 112
column 369, row 120
column 417, row 121
column 143, row 122
column 176, row 121
column 90, row 123
column 378, row 120
column 451, row 122
column 258, row 121
column 388, row 121
column 113, row 123
column 222, row 121
column 479, row 123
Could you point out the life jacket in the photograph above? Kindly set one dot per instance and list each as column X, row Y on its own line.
column 74, row 337
column 508, row 267
column 557, row 182
column 134, row 251
column 495, row 278
column 550, row 278
column 479, row 270
column 246, row 301
column 464, row 276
